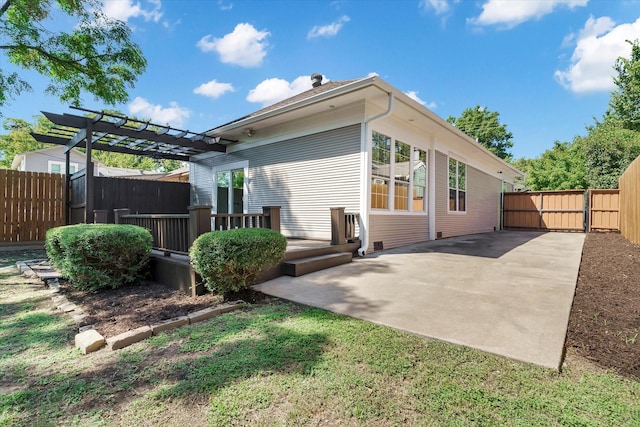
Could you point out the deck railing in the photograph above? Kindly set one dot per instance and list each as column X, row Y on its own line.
column 174, row 233
column 345, row 226
column 170, row 232
column 269, row 218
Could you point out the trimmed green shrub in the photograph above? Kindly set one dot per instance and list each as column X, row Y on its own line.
column 98, row 256
column 230, row 260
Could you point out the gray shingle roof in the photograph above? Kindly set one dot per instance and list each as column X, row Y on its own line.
column 325, row 87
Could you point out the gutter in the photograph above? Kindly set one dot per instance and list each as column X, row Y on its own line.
column 365, row 196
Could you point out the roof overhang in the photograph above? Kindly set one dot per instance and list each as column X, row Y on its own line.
column 375, row 91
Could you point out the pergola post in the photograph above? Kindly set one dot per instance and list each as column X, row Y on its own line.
column 67, row 190
column 88, row 188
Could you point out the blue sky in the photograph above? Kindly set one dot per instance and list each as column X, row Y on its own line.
column 545, row 66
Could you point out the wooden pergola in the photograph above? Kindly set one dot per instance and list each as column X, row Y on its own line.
column 121, row 134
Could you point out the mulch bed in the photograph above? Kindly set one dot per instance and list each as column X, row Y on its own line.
column 114, row 311
column 604, row 325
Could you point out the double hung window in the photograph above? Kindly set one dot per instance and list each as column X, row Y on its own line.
column 457, row 186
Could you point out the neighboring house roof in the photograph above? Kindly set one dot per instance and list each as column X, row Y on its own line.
column 180, row 174
column 18, row 158
column 113, row 172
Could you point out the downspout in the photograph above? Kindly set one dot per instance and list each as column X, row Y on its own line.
column 365, row 196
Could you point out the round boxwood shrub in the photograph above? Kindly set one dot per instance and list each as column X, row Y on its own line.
column 98, row 256
column 230, row 260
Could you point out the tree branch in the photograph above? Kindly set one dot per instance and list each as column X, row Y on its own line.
column 4, row 7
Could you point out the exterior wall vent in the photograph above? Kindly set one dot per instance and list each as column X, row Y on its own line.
column 378, row 246
column 439, row 235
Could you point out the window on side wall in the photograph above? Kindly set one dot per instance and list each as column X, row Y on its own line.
column 59, row 167
column 380, row 171
column 457, row 186
column 401, row 169
column 419, row 180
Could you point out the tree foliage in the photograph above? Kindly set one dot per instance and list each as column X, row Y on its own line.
column 625, row 101
column 96, row 56
column 608, row 149
column 484, row 126
column 559, row 168
column 19, row 140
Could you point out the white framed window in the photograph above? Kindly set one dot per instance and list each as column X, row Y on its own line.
column 398, row 174
column 457, row 186
column 55, row 166
column 230, row 188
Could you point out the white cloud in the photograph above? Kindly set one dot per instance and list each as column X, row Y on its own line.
column 214, row 89
column 329, row 30
column 510, row 13
column 414, row 95
column 439, row 6
column 225, row 5
column 245, row 46
column 598, row 45
column 270, row 91
column 173, row 115
column 373, row 74
column 122, row 10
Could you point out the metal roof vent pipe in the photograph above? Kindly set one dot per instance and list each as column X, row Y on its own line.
column 316, row 79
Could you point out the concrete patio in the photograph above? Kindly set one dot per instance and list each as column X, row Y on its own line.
column 507, row 293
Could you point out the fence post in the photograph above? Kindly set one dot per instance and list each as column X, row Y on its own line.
column 199, row 221
column 272, row 216
column 338, row 236
column 100, row 216
column 117, row 213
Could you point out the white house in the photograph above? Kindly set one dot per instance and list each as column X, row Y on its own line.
column 359, row 144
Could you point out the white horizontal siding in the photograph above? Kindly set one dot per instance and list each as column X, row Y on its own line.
column 483, row 202
column 397, row 230
column 305, row 176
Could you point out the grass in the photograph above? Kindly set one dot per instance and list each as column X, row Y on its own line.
column 282, row 364
column 9, row 256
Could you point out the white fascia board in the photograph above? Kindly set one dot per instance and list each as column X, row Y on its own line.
column 341, row 90
column 448, row 127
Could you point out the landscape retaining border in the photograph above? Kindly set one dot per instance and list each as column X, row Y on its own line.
column 88, row 339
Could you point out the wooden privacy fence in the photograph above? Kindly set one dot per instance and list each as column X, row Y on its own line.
column 159, row 197
column 567, row 210
column 630, row 202
column 30, row 204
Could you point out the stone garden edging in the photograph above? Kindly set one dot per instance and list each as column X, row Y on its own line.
column 88, row 339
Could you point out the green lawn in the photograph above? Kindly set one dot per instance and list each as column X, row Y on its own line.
column 282, row 364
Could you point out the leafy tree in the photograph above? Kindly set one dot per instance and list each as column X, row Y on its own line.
column 559, row 168
column 625, row 101
column 19, row 140
column 96, row 56
column 608, row 150
column 484, row 126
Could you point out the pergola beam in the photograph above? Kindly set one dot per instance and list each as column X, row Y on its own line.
column 142, row 132
column 47, row 139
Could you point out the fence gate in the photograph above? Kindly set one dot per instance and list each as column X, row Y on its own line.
column 604, row 210
column 569, row 210
column 545, row 210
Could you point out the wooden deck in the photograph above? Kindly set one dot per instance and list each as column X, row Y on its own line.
column 174, row 270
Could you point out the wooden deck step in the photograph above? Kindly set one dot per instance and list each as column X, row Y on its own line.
column 302, row 266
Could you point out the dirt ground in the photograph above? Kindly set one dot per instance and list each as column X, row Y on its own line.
column 604, row 324
column 114, row 311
